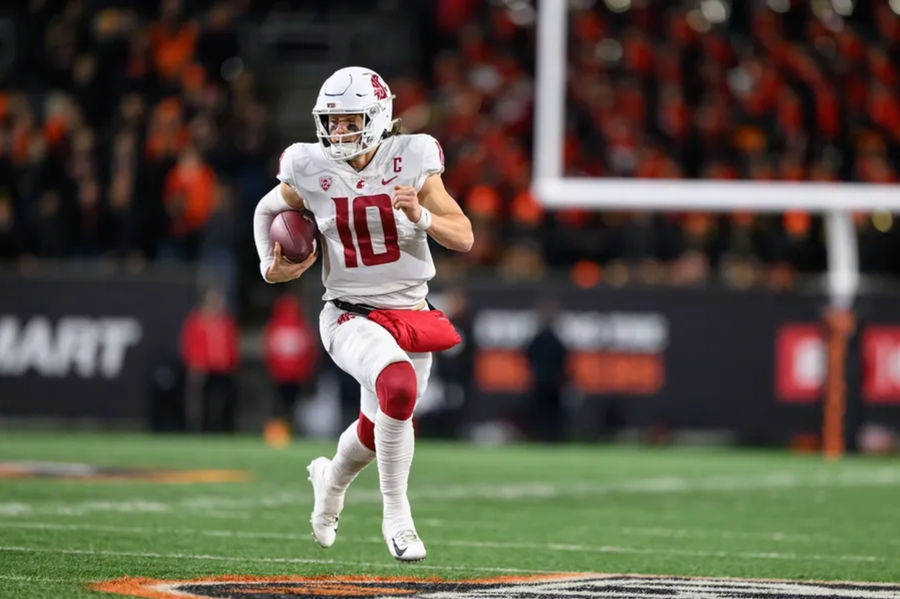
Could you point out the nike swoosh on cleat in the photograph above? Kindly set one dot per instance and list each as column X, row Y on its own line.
column 383, row 182
column 397, row 549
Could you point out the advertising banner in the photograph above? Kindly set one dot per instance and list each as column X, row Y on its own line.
column 83, row 346
column 752, row 362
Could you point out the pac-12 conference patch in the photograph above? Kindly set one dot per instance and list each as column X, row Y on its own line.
column 570, row 586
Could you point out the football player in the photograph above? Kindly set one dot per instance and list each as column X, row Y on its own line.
column 376, row 195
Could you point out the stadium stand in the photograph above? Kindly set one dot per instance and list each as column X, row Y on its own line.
column 136, row 133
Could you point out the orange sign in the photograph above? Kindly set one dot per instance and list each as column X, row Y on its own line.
column 607, row 372
column 593, row 372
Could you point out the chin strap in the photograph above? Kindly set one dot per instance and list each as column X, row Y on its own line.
column 394, row 130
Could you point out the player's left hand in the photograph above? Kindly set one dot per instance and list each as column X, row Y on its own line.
column 406, row 199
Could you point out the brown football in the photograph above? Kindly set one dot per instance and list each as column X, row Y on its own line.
column 296, row 231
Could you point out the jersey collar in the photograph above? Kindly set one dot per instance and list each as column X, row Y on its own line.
column 381, row 151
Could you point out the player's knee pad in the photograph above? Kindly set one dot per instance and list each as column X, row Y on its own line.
column 365, row 431
column 396, row 390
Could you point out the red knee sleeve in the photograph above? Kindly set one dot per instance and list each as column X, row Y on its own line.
column 396, row 390
column 365, row 431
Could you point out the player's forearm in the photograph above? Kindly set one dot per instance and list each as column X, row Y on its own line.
column 266, row 211
column 453, row 231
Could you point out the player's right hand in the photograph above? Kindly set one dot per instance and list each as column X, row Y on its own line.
column 283, row 270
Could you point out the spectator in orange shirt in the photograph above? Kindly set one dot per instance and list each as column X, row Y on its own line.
column 188, row 196
column 173, row 41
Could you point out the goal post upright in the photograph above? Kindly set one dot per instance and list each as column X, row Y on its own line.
column 843, row 283
column 836, row 201
column 550, row 89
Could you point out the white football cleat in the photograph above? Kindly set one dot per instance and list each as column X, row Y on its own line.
column 406, row 546
column 324, row 517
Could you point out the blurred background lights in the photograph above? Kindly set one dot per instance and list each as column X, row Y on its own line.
column 231, row 68
column 882, row 220
column 697, row 21
column 618, row 5
column 822, row 9
column 843, row 7
column 609, row 50
column 521, row 13
column 715, row 11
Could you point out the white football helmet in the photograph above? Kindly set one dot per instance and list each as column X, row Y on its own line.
column 353, row 90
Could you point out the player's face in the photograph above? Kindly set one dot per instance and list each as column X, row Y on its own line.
column 343, row 124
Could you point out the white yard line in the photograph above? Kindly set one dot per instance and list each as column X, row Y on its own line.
column 42, row 579
column 144, row 530
column 444, row 523
column 226, row 507
column 764, row 555
column 251, row 534
column 715, row 533
column 887, row 476
column 223, row 506
column 778, row 536
column 244, row 559
column 545, row 547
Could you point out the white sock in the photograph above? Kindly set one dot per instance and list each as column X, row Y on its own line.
column 348, row 461
column 394, row 446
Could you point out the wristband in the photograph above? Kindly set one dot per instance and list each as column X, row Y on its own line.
column 424, row 219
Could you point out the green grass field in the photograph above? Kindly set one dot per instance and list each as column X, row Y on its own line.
column 483, row 512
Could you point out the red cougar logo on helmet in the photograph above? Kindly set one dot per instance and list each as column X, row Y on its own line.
column 378, row 87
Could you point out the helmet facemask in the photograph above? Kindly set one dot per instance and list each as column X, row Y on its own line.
column 344, row 146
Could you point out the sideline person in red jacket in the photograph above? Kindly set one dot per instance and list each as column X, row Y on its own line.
column 209, row 348
column 290, row 352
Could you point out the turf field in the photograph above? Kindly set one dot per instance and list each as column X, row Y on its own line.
column 483, row 513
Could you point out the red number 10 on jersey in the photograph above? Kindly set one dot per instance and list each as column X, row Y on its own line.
column 360, row 208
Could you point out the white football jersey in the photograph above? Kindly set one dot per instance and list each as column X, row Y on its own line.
column 373, row 254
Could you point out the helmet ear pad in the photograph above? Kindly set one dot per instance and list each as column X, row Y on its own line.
column 374, row 136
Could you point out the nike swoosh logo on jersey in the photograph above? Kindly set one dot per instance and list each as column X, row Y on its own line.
column 383, row 182
column 397, row 549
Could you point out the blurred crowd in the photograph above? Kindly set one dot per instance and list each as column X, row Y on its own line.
column 129, row 132
column 768, row 90
column 136, row 132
